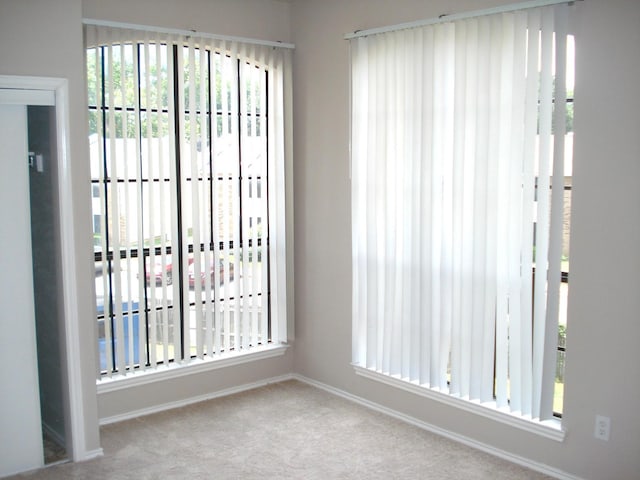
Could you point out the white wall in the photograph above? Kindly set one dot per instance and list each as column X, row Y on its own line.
column 604, row 328
column 20, row 404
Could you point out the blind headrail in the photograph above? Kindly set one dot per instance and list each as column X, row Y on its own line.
column 457, row 16
column 187, row 33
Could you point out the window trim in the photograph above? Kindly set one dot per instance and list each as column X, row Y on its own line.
column 176, row 369
column 552, row 428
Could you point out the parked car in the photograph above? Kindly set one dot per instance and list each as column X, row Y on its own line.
column 203, row 276
column 161, row 272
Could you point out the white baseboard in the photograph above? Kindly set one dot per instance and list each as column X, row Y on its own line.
column 525, row 462
column 89, row 455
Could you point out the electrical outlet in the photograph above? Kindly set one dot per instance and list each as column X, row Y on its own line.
column 603, row 428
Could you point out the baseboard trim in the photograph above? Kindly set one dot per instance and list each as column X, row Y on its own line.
column 191, row 400
column 525, row 462
column 90, row 455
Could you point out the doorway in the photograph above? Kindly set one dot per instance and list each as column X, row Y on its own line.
column 47, row 277
column 35, row 405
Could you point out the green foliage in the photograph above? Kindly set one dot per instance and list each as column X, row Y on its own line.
column 120, row 94
column 144, row 108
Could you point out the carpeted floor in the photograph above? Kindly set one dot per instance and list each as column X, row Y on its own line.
column 288, row 430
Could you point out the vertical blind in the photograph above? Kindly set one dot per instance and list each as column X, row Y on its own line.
column 187, row 161
column 457, row 197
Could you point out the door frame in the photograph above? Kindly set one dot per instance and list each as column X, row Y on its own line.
column 74, row 407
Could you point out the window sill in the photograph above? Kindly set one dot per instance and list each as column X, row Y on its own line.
column 174, row 370
column 551, row 429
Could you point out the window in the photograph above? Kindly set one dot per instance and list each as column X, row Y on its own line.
column 459, row 196
column 558, row 396
column 188, row 261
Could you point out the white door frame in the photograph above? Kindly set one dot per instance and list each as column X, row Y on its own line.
column 75, row 408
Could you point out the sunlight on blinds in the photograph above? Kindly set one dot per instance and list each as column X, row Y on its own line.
column 187, row 164
column 458, row 193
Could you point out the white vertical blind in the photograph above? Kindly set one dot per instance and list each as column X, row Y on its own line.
column 454, row 159
column 187, row 162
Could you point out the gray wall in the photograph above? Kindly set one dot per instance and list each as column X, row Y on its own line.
column 44, row 38
column 604, row 301
column 263, row 19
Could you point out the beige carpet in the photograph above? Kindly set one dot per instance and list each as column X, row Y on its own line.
column 288, row 430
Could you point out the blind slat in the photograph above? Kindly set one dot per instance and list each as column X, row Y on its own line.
column 556, row 216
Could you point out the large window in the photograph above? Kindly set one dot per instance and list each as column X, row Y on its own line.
column 187, row 160
column 461, row 198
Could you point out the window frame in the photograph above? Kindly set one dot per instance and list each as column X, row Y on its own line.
column 369, row 365
column 276, row 336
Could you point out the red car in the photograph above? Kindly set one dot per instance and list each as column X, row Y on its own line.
column 192, row 274
column 160, row 274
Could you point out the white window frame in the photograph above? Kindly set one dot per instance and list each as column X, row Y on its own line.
column 281, row 217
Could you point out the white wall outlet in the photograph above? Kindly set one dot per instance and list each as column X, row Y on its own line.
column 603, row 428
